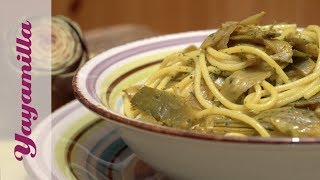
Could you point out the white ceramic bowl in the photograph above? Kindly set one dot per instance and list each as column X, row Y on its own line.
column 184, row 154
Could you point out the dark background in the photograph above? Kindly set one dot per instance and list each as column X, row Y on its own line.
column 169, row 16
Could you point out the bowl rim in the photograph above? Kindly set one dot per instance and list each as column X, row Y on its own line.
column 113, row 116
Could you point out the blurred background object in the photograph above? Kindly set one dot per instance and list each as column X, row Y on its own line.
column 169, row 16
column 93, row 43
column 68, row 53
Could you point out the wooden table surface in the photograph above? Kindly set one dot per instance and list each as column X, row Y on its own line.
column 101, row 39
column 170, row 16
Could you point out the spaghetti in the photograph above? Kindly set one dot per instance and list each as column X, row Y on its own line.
column 243, row 80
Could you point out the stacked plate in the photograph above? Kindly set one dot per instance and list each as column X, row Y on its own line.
column 83, row 146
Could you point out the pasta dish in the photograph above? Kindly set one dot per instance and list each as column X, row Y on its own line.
column 245, row 79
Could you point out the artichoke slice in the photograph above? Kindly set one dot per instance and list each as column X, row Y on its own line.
column 168, row 108
column 220, row 39
column 254, row 19
column 282, row 50
column 292, row 121
column 240, row 81
column 311, row 103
